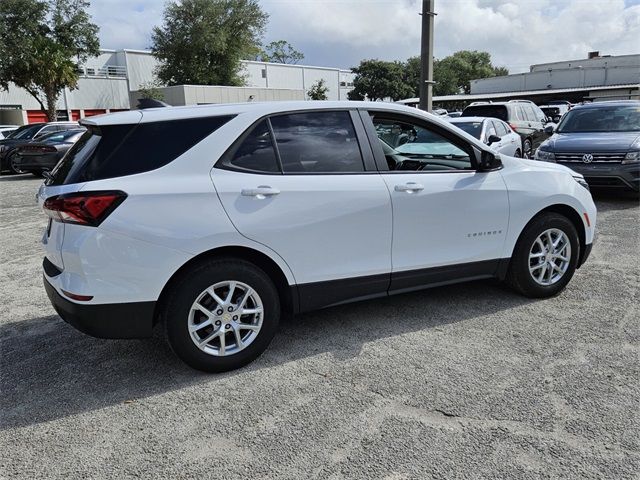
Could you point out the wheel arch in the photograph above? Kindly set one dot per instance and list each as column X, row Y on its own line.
column 566, row 211
column 287, row 293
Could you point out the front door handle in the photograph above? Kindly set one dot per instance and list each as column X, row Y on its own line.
column 262, row 191
column 409, row 187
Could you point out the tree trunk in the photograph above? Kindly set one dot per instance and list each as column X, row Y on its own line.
column 52, row 99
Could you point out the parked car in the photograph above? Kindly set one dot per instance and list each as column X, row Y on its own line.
column 6, row 130
column 440, row 111
column 454, row 114
column 41, row 156
column 256, row 209
column 523, row 116
column 493, row 132
column 24, row 135
column 555, row 112
column 599, row 140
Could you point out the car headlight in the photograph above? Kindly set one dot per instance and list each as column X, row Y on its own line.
column 582, row 182
column 545, row 156
column 632, row 157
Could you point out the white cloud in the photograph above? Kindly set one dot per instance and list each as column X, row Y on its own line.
column 517, row 33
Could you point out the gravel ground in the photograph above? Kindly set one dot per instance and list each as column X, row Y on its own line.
column 468, row 381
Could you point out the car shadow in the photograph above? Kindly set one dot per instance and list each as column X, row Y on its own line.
column 22, row 176
column 48, row 370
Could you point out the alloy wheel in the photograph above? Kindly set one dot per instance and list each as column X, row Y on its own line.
column 549, row 257
column 225, row 318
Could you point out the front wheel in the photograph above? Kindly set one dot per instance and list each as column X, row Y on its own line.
column 527, row 150
column 545, row 256
column 221, row 315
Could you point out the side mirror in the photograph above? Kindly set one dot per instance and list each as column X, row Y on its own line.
column 493, row 139
column 489, row 162
column 549, row 129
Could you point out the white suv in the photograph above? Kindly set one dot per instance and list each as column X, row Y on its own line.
column 215, row 220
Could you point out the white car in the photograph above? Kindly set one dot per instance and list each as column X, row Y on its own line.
column 6, row 130
column 493, row 132
column 214, row 220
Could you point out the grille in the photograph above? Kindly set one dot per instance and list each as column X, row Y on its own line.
column 597, row 157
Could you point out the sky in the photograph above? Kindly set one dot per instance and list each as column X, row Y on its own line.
column 340, row 33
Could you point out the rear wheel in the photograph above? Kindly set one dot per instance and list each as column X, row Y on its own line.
column 527, row 148
column 545, row 256
column 13, row 164
column 221, row 315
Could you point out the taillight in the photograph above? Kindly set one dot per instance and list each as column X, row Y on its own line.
column 38, row 149
column 84, row 208
column 513, row 127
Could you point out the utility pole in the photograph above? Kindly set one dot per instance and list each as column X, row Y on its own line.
column 426, row 56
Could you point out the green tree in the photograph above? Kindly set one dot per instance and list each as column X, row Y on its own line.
column 453, row 74
column 42, row 42
column 318, row 90
column 280, row 51
column 377, row 80
column 151, row 90
column 203, row 41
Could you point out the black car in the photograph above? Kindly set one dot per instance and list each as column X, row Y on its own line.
column 600, row 140
column 24, row 135
column 42, row 155
column 524, row 117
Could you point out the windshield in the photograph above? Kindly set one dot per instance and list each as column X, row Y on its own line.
column 494, row 111
column 601, row 119
column 472, row 128
column 26, row 132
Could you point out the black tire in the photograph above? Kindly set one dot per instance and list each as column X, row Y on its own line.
column 518, row 154
column 37, row 173
column 188, row 287
column 14, row 169
column 527, row 148
column 518, row 275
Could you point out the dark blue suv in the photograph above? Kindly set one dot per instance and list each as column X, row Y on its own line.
column 601, row 141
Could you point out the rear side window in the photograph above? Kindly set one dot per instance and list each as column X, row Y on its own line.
column 494, row 111
column 317, row 142
column 112, row 151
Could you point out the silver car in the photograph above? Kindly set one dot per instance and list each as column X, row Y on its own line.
column 492, row 131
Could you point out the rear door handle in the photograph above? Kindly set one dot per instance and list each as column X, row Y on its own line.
column 262, row 191
column 409, row 187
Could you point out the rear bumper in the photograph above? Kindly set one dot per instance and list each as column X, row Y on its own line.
column 37, row 162
column 111, row 320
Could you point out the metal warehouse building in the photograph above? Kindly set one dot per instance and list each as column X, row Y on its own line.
column 595, row 78
column 108, row 83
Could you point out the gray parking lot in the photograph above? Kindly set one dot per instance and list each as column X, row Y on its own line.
column 468, row 381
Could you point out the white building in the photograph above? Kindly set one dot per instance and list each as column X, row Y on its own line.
column 109, row 81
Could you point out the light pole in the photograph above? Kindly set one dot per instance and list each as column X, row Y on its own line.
column 426, row 56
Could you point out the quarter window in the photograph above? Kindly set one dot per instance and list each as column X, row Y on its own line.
column 408, row 146
column 317, row 142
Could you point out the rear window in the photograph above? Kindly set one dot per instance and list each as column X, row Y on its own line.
column 112, row 151
column 472, row 128
column 494, row 111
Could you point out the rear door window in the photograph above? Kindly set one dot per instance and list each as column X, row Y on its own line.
column 110, row 151
column 317, row 142
column 256, row 152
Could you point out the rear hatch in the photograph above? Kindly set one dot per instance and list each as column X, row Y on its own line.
column 68, row 177
column 488, row 110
